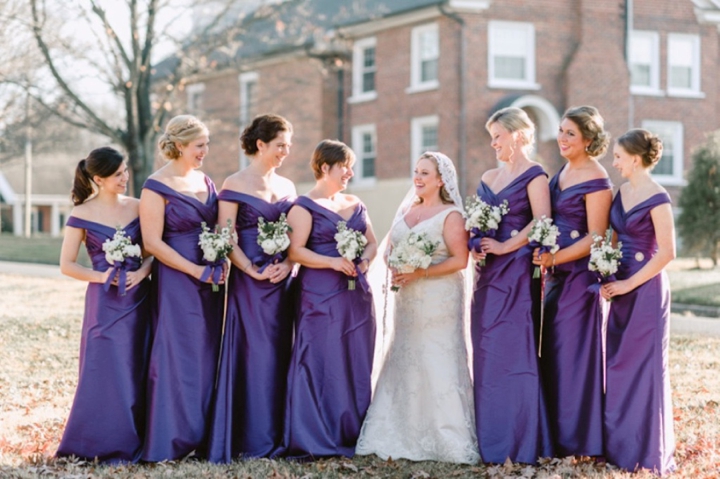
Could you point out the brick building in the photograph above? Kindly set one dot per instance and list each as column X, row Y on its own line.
column 394, row 78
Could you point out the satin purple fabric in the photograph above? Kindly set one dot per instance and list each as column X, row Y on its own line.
column 571, row 362
column 107, row 416
column 510, row 410
column 329, row 379
column 638, row 408
column 248, row 412
column 187, row 321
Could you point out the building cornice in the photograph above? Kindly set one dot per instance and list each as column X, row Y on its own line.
column 377, row 25
column 707, row 12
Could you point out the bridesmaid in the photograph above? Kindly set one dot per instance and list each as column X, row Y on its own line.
column 571, row 362
column 187, row 314
column 509, row 405
column 329, row 379
column 638, row 410
column 107, row 417
column 247, row 420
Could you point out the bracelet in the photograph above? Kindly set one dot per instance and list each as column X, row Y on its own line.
column 247, row 266
column 364, row 260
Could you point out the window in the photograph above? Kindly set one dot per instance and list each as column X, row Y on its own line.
column 248, row 105
column 195, row 98
column 425, row 54
column 644, row 63
column 669, row 170
column 683, row 76
column 424, row 137
column 364, row 68
column 511, row 55
column 364, row 138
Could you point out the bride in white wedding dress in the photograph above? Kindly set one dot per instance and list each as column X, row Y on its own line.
column 422, row 408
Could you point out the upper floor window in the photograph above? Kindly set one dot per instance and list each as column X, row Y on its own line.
column 195, row 98
column 364, row 138
column 424, row 137
column 248, row 105
column 644, row 59
column 511, row 55
column 364, row 69
column 669, row 170
column 425, row 55
column 683, row 65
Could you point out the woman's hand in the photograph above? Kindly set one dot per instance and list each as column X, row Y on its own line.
column 478, row 256
column 492, row 246
column 343, row 265
column 545, row 259
column 616, row 288
column 133, row 278
column 105, row 275
column 403, row 279
column 278, row 272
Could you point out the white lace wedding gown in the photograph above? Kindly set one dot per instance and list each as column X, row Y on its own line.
column 422, row 409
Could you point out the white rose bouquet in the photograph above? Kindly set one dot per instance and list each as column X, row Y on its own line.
column 543, row 235
column 215, row 245
column 350, row 244
column 604, row 259
column 482, row 220
column 413, row 251
column 119, row 253
column 273, row 239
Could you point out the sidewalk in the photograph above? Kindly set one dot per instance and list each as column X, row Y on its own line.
column 31, row 269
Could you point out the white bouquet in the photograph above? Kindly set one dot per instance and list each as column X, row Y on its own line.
column 273, row 238
column 543, row 235
column 413, row 251
column 215, row 245
column 604, row 259
column 482, row 220
column 118, row 252
column 350, row 244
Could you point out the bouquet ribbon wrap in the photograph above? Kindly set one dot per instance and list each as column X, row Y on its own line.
column 595, row 287
column 214, row 271
column 120, row 269
column 263, row 260
column 364, row 285
column 477, row 236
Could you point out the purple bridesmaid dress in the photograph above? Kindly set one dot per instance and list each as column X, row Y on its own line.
column 329, row 379
column 187, row 321
column 510, row 410
column 638, row 409
column 571, row 362
column 107, row 417
column 248, row 410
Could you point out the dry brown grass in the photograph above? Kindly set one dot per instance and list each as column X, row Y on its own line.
column 39, row 337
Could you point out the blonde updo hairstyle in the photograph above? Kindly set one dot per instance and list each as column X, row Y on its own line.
column 515, row 120
column 182, row 129
column 592, row 127
column 644, row 144
column 331, row 153
column 444, row 195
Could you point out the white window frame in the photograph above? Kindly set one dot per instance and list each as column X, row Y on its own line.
column 529, row 83
column 192, row 91
column 244, row 79
column 416, row 127
column 655, row 126
column 359, row 69
column 416, row 85
column 360, row 180
column 654, row 87
column 694, row 91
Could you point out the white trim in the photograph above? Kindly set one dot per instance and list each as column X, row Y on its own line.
column 376, row 25
column 549, row 116
column 694, row 90
column 528, row 83
column 191, row 92
column 416, row 83
column 469, row 6
column 416, row 127
column 676, row 130
column 358, row 71
column 654, row 38
column 244, row 79
column 359, row 180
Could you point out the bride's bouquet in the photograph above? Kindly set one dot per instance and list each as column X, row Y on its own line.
column 216, row 245
column 273, row 238
column 543, row 235
column 350, row 244
column 482, row 220
column 118, row 252
column 604, row 259
column 413, row 251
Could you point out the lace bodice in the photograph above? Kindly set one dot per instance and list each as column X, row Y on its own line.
column 432, row 226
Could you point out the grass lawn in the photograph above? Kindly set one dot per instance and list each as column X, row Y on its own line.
column 39, row 354
column 38, row 249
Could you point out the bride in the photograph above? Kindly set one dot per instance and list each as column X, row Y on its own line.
column 423, row 404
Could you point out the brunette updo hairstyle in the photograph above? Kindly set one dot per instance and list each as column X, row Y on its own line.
column 444, row 195
column 102, row 162
column 182, row 129
column 644, row 144
column 331, row 153
column 515, row 119
column 592, row 127
column 265, row 128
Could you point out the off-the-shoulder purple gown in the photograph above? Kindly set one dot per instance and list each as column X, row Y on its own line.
column 329, row 379
column 571, row 362
column 248, row 412
column 187, row 320
column 107, row 417
column 638, row 409
column 510, row 409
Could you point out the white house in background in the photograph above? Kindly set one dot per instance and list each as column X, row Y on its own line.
column 52, row 180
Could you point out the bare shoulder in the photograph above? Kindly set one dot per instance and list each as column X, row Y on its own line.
column 234, row 182
column 593, row 171
column 490, row 175
column 82, row 211
column 351, row 200
column 132, row 204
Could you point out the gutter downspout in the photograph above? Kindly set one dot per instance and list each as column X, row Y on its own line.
column 628, row 33
column 462, row 129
